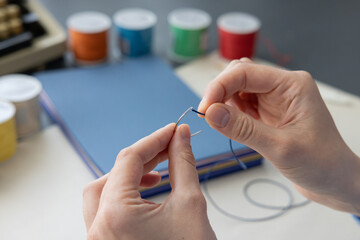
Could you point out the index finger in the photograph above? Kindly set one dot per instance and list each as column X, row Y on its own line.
column 241, row 77
column 127, row 172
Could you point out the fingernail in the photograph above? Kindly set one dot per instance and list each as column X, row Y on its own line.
column 219, row 116
column 201, row 104
column 185, row 133
column 245, row 60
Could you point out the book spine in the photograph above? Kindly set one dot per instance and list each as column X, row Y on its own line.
column 209, row 173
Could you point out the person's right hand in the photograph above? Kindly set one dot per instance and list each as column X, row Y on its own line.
column 281, row 115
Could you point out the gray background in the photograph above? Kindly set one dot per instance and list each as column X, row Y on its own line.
column 322, row 37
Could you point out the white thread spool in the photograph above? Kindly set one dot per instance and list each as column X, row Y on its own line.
column 23, row 91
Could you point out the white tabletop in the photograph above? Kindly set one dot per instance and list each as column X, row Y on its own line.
column 41, row 186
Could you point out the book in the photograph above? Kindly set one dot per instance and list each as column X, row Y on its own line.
column 105, row 108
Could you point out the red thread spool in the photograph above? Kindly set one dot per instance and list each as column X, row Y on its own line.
column 237, row 35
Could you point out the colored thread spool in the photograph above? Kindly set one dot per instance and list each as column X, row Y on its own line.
column 135, row 31
column 88, row 32
column 23, row 91
column 237, row 35
column 7, row 130
column 189, row 29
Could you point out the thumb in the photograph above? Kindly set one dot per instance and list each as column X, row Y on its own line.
column 239, row 126
column 182, row 166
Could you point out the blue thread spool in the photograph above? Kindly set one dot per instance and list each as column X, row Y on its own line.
column 135, row 29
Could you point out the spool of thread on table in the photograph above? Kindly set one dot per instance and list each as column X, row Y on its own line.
column 88, row 36
column 237, row 35
column 134, row 28
column 23, row 91
column 8, row 141
column 189, row 30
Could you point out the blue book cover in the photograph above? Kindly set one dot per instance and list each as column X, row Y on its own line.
column 105, row 108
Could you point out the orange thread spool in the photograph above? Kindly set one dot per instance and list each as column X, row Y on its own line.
column 88, row 32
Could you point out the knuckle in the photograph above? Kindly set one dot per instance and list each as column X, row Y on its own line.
column 194, row 200
column 200, row 199
column 234, row 62
column 89, row 189
column 239, row 65
column 125, row 153
column 243, row 128
column 305, row 81
column 287, row 147
column 305, row 76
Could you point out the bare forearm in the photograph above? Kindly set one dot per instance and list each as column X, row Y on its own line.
column 341, row 190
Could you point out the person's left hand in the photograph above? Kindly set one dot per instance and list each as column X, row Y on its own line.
column 114, row 209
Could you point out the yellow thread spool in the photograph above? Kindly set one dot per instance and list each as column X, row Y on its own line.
column 7, row 130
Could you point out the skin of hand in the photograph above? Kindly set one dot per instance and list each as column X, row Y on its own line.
column 114, row 209
column 281, row 115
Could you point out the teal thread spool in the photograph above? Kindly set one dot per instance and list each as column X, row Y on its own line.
column 135, row 31
column 189, row 31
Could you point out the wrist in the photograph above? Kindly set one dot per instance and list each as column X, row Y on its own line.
column 355, row 198
column 338, row 182
column 349, row 188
